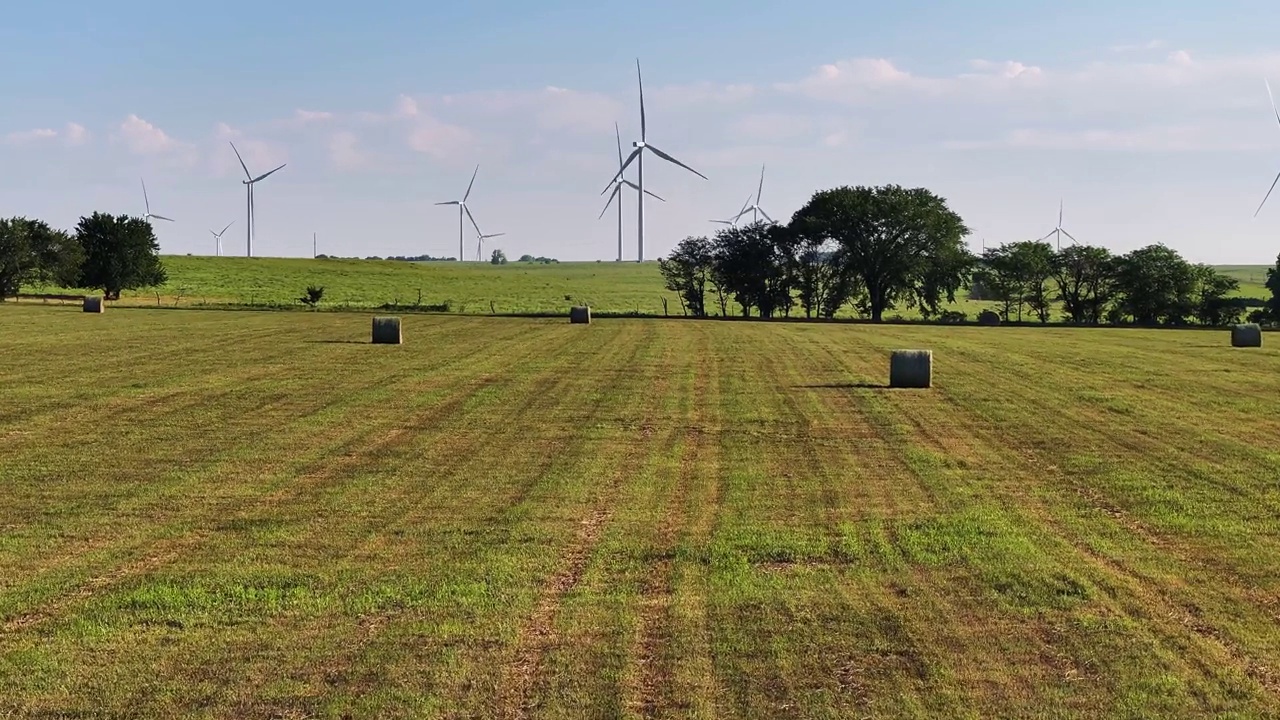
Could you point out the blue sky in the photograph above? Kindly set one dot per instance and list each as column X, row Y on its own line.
column 1149, row 120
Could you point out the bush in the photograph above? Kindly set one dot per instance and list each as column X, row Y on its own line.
column 313, row 296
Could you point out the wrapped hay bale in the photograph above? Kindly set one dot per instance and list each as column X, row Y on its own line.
column 1246, row 335
column 989, row 317
column 94, row 304
column 580, row 315
column 911, row 369
column 386, row 330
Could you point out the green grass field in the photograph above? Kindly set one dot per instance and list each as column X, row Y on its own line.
column 470, row 288
column 241, row 514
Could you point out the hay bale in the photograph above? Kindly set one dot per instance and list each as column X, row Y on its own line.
column 1246, row 335
column 989, row 317
column 386, row 331
column 580, row 315
column 911, row 369
column 94, row 304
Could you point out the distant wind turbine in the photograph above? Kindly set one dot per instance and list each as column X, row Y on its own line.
column 147, row 217
column 733, row 221
column 218, row 237
column 480, row 243
column 1058, row 231
column 638, row 154
column 1273, row 182
column 618, row 183
column 462, row 208
column 755, row 208
column 248, row 184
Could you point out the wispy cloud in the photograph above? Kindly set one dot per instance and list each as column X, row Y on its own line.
column 344, row 151
column 72, row 135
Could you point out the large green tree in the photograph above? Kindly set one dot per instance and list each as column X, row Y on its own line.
column 1085, row 276
column 686, row 272
column 1273, row 284
column 1214, row 304
column 121, row 253
column 32, row 252
column 1155, row 285
column 751, row 264
column 902, row 244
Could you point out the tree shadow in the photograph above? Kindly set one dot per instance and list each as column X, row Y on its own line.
column 339, row 342
column 846, row 386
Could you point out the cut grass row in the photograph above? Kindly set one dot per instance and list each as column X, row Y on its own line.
column 244, row 514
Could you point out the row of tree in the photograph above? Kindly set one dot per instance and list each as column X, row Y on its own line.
column 107, row 252
column 880, row 248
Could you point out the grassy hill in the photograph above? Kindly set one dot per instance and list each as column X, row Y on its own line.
column 609, row 287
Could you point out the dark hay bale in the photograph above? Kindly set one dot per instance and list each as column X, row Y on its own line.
column 911, row 369
column 989, row 317
column 94, row 304
column 386, row 331
column 1246, row 335
column 580, row 315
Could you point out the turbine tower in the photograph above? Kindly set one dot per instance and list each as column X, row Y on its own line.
column 638, row 155
column 756, row 210
column 462, row 208
column 1058, row 231
column 1273, row 182
column 248, row 184
column 148, row 215
column 218, row 237
column 618, row 183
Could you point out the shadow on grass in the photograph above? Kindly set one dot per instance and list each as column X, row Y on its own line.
column 341, row 342
column 846, row 386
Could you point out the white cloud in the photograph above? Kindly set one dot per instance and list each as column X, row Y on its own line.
column 143, row 138
column 76, row 134
column 26, row 137
column 438, row 139
column 308, row 116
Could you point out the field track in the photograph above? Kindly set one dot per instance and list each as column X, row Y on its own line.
column 244, row 514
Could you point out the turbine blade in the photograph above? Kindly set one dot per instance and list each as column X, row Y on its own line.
column 237, row 152
column 765, row 214
column 145, row 199
column 161, row 217
column 640, row 80
column 761, row 188
column 636, row 187
column 616, row 189
column 668, row 158
column 451, row 202
column 495, row 235
column 1059, row 213
column 618, row 175
column 1273, row 101
column 646, row 192
column 1264, row 200
column 473, row 220
column 1073, row 239
column 233, row 222
column 1049, row 235
column 618, row 133
column 263, row 175
column 473, row 182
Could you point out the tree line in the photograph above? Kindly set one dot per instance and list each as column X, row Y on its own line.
column 877, row 249
column 111, row 253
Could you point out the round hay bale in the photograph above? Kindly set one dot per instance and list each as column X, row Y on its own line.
column 386, row 331
column 911, row 369
column 94, row 304
column 580, row 315
column 989, row 317
column 1246, row 335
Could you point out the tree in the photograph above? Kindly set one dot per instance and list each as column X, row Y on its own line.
column 749, row 263
column 1085, row 276
column 121, row 253
column 686, row 272
column 32, row 252
column 1155, row 285
column 498, row 257
column 1213, row 302
column 1035, row 262
column 1273, row 284
column 903, row 245
column 1001, row 280
column 820, row 275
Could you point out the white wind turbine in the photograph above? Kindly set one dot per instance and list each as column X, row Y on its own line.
column 1058, row 231
column 638, row 154
column 733, row 221
column 618, row 183
column 1273, row 182
column 248, row 184
column 480, row 238
column 147, row 217
column 462, row 208
column 218, row 237
column 756, row 210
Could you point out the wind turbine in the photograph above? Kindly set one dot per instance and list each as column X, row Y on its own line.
column 1058, row 230
column 248, row 184
column 1273, row 182
column 638, row 154
column 618, row 182
column 733, row 221
column 755, row 208
column 147, row 217
column 480, row 238
column 218, row 236
column 462, row 208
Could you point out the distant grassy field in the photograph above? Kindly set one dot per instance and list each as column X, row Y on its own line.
column 470, row 288
column 226, row 514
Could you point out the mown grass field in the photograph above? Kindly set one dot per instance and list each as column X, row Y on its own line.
column 240, row 514
column 469, row 288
